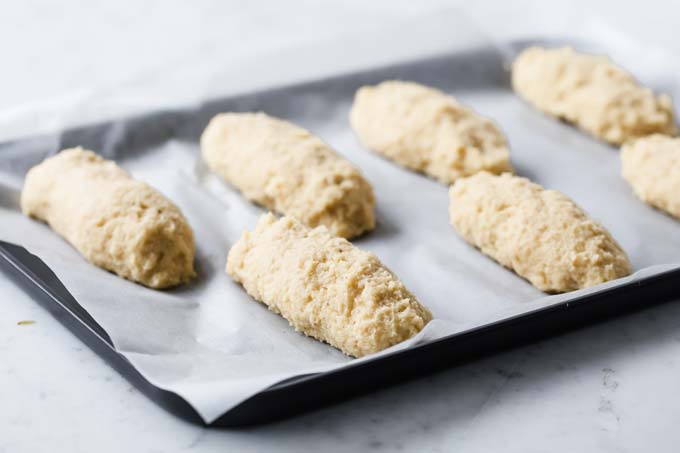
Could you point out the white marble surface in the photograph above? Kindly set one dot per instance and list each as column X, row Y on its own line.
column 610, row 387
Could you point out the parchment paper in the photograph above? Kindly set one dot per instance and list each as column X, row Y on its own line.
column 211, row 343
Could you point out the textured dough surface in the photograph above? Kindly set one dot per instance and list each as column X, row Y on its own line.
column 325, row 287
column 288, row 170
column 540, row 234
column 115, row 222
column 591, row 92
column 652, row 167
column 426, row 130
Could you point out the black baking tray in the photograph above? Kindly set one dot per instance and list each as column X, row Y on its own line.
column 304, row 393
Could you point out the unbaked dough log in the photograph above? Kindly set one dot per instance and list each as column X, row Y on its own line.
column 116, row 222
column 652, row 167
column 591, row 92
column 540, row 234
column 325, row 287
column 426, row 130
column 287, row 169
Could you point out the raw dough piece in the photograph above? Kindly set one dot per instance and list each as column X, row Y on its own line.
column 591, row 92
column 426, row 130
column 116, row 222
column 652, row 167
column 325, row 287
column 287, row 169
column 540, row 234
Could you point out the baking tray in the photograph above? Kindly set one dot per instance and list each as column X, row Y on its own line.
column 479, row 68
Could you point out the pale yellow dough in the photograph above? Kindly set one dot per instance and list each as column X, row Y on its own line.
column 325, row 287
column 652, row 167
column 540, row 234
column 287, row 169
column 591, row 92
column 116, row 222
column 426, row 130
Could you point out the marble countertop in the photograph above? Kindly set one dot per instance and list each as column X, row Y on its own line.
column 609, row 387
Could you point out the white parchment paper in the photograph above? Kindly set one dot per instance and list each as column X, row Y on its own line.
column 212, row 344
